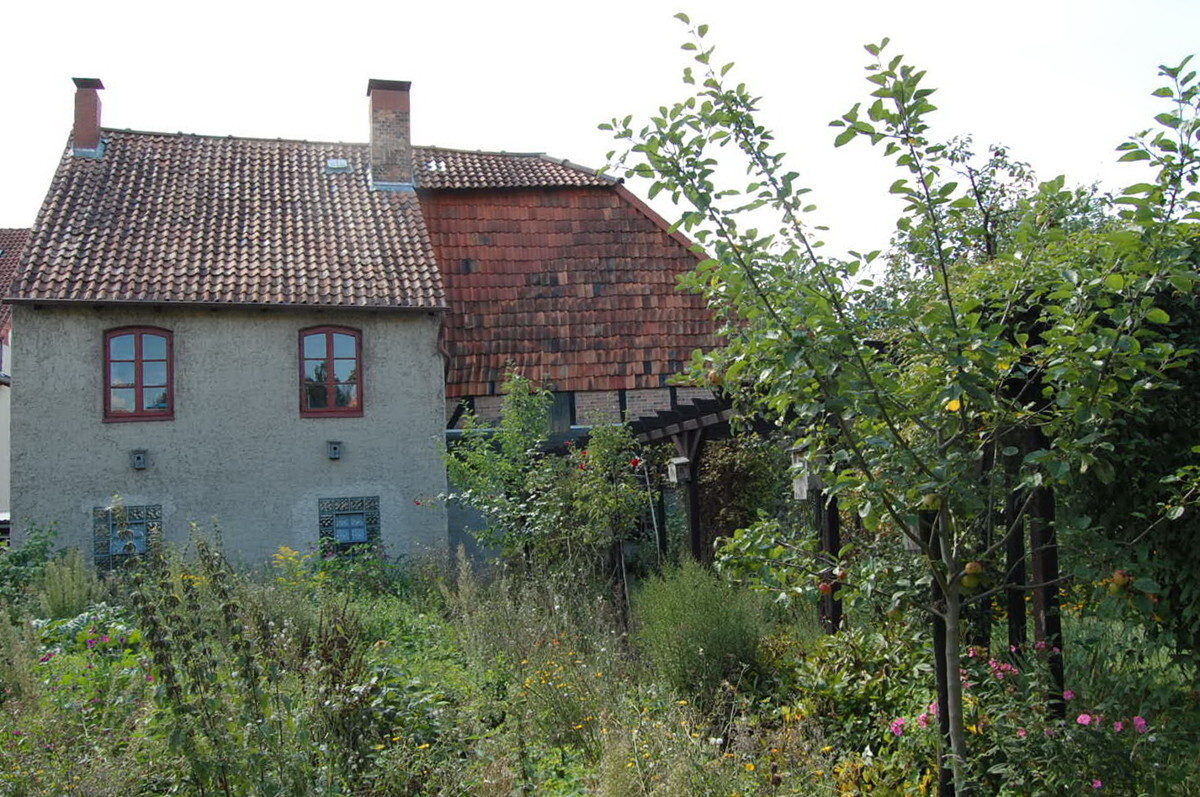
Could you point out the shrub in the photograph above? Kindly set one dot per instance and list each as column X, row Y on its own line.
column 21, row 567
column 69, row 586
column 697, row 630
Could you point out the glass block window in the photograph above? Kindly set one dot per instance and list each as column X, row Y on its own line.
column 123, row 533
column 345, row 522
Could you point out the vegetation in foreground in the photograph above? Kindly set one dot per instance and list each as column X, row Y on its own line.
column 352, row 675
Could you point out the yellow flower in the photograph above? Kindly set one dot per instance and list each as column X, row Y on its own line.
column 953, row 405
column 749, row 767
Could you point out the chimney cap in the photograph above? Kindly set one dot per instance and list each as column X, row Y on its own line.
column 375, row 84
column 87, row 83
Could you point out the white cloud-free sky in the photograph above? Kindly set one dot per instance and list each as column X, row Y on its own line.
column 1060, row 82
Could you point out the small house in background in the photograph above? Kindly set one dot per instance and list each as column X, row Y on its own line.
column 279, row 333
column 12, row 244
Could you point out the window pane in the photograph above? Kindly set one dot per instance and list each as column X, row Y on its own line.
column 316, row 397
column 314, row 345
column 154, row 347
column 155, row 399
column 154, row 374
column 121, row 400
column 343, row 345
column 350, row 527
column 120, row 374
column 315, row 370
column 344, row 370
column 120, row 347
column 346, row 395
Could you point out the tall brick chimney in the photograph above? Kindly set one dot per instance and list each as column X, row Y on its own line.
column 85, row 138
column 391, row 145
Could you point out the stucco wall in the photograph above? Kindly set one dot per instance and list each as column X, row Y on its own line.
column 237, row 448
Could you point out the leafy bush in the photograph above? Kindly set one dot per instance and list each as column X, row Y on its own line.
column 69, row 586
column 21, row 567
column 697, row 630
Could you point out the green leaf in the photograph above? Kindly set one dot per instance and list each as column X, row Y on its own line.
column 1156, row 315
column 845, row 137
column 1144, row 584
column 1114, row 282
column 1134, row 155
column 682, row 17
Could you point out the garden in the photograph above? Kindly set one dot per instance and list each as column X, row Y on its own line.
column 999, row 411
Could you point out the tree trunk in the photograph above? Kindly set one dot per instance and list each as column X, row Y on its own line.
column 954, row 697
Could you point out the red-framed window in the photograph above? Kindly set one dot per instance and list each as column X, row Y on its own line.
column 138, row 374
column 331, row 372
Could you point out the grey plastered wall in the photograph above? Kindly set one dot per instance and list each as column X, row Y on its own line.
column 237, row 449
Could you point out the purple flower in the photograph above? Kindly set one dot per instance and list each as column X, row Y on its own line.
column 1118, row 726
column 1139, row 725
column 1068, row 695
column 897, row 726
column 1097, row 784
column 1084, row 719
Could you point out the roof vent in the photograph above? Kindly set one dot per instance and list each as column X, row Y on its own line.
column 337, row 166
column 436, row 166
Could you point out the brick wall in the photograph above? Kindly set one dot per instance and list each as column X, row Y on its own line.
column 646, row 402
column 597, row 406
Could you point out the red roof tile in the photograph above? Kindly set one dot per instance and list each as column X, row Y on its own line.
column 576, row 286
column 198, row 219
column 12, row 244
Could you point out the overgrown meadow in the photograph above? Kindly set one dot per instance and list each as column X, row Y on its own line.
column 357, row 674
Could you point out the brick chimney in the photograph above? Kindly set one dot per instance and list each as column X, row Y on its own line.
column 391, row 145
column 85, row 138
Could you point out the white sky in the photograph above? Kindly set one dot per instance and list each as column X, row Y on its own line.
column 1060, row 82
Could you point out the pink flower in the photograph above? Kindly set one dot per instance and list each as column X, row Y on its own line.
column 897, row 726
column 1118, row 726
column 1139, row 725
column 1021, row 733
column 923, row 720
column 1084, row 719
column 1097, row 784
column 1068, row 695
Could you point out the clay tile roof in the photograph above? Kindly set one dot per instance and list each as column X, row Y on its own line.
column 438, row 168
column 575, row 286
column 200, row 219
column 12, row 244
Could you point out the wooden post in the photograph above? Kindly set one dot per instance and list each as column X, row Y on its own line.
column 690, row 444
column 1047, row 622
column 1014, row 570
column 927, row 533
column 825, row 512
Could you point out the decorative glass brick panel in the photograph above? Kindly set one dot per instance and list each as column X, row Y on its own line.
column 344, row 522
column 123, row 533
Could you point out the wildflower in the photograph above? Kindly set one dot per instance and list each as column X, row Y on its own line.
column 46, row 658
column 749, row 766
column 953, row 405
column 1068, row 695
column 897, row 726
column 633, row 463
column 1021, row 733
column 1097, row 784
column 1118, row 726
column 1084, row 719
column 1139, row 724
column 923, row 720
